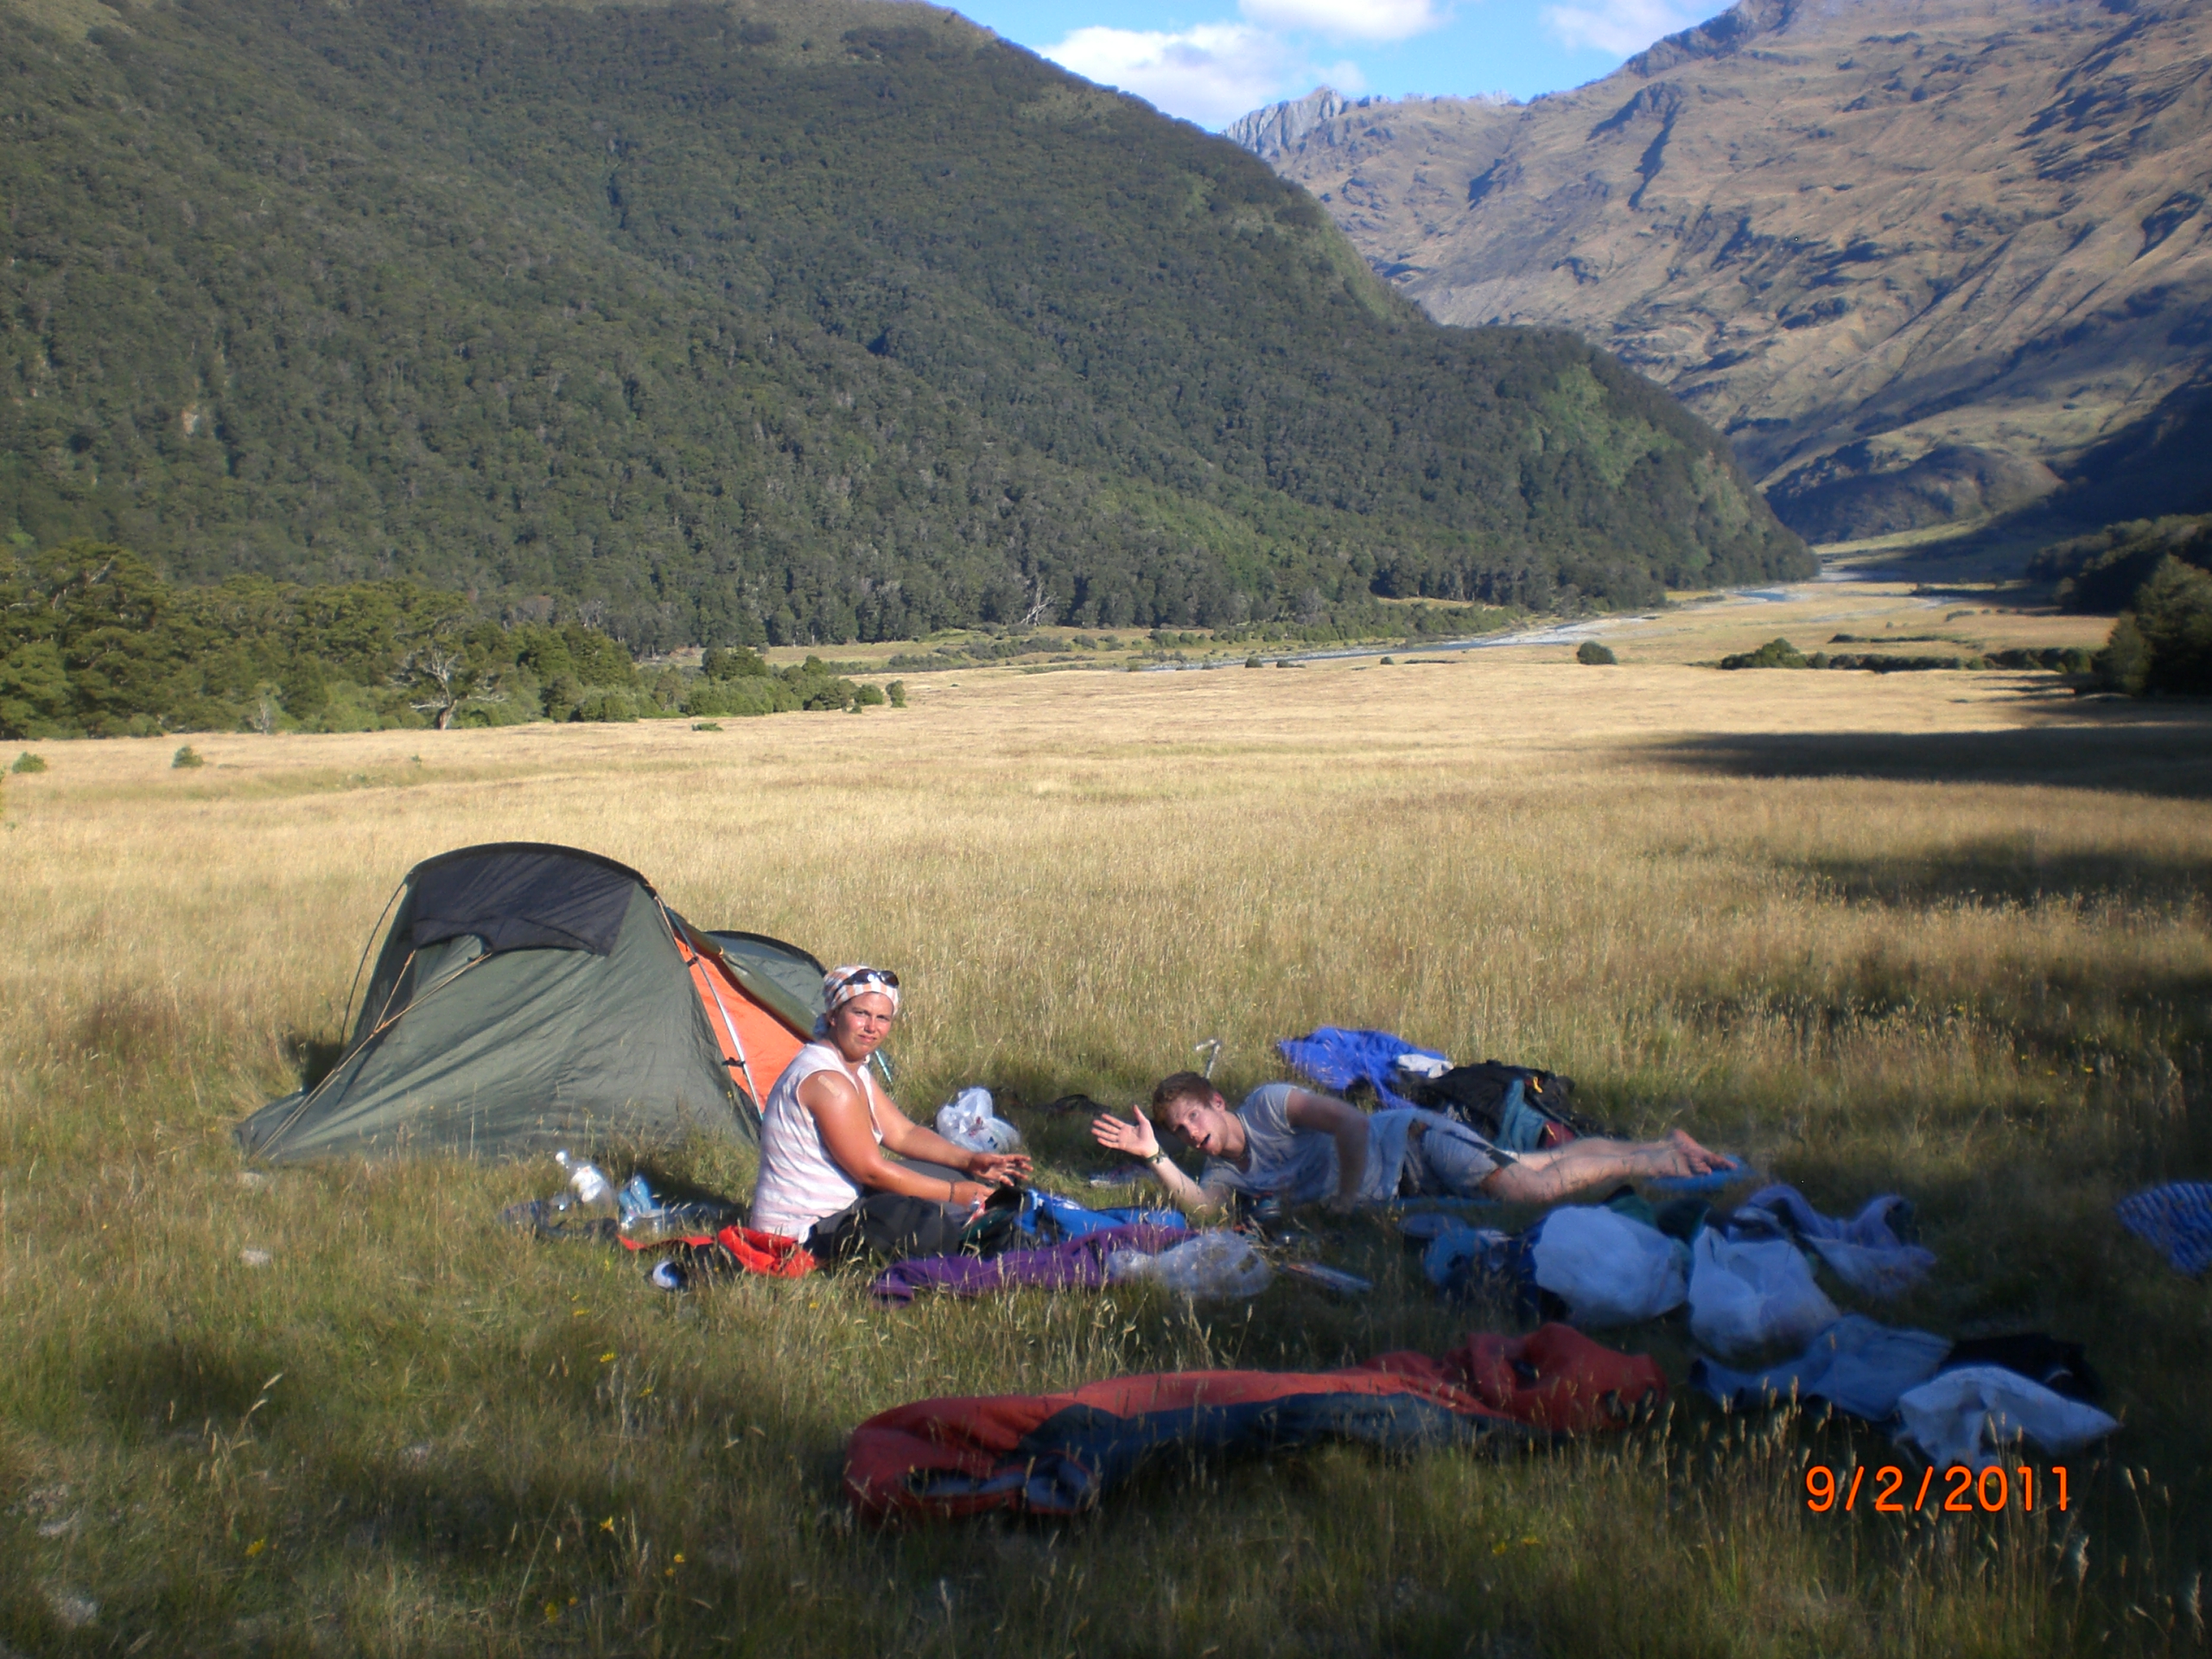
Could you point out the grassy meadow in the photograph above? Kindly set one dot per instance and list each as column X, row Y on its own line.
column 1944, row 934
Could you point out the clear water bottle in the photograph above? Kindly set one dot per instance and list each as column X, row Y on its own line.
column 639, row 1208
column 594, row 1193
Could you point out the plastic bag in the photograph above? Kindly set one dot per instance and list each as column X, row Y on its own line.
column 967, row 1121
column 1607, row 1269
column 1212, row 1264
column 1745, row 1296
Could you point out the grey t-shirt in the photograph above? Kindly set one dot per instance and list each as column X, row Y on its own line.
column 1299, row 1166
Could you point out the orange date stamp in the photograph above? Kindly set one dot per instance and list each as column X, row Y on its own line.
column 1957, row 1491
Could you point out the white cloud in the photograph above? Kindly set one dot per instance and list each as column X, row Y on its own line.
column 1210, row 73
column 1620, row 27
column 1213, row 73
column 1364, row 20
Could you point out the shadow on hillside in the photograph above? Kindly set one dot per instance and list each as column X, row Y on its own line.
column 2132, row 751
column 2015, row 871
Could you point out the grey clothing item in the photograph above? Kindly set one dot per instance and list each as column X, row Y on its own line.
column 1445, row 1160
column 1299, row 1166
column 1856, row 1365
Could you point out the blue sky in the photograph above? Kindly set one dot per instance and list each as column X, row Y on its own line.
column 1210, row 60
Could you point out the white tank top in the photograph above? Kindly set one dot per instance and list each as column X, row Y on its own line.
column 800, row 1182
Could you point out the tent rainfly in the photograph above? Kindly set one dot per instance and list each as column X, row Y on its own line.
column 531, row 996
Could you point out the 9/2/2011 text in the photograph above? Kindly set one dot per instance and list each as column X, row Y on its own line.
column 1963, row 1491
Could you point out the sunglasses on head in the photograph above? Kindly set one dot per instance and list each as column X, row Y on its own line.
column 871, row 976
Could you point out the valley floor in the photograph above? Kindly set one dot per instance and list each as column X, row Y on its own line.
column 1939, row 933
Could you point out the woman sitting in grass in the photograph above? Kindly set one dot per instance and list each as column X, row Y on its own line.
column 825, row 1179
column 1303, row 1146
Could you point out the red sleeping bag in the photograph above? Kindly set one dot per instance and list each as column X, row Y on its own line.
column 1058, row 1453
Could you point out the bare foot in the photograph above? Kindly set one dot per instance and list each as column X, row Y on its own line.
column 1696, row 1159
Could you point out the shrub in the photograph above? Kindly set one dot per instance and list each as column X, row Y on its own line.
column 1875, row 662
column 738, row 664
column 186, row 758
column 1254, row 662
column 704, row 726
column 2173, row 613
column 27, row 763
column 1590, row 655
column 897, row 692
column 755, row 696
column 604, row 702
column 1776, row 653
column 1388, row 662
column 868, row 696
column 2122, row 664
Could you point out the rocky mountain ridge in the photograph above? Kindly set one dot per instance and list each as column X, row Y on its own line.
column 1918, row 258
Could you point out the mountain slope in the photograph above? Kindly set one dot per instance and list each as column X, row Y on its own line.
column 791, row 322
column 1916, row 257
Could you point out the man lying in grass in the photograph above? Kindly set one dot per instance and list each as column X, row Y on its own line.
column 1303, row 1146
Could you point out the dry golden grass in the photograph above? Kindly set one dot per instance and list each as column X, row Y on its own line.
column 1944, row 934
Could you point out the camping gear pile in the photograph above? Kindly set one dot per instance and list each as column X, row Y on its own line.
column 1748, row 1284
column 529, row 998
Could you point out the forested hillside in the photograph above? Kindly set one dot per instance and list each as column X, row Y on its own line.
column 761, row 322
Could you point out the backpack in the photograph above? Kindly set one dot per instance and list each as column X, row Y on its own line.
column 1516, row 1107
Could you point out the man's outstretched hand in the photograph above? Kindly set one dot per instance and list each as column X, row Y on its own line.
column 1136, row 1140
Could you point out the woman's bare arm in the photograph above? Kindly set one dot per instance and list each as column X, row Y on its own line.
column 843, row 1118
column 911, row 1140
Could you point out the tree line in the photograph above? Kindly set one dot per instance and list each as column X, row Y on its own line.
column 2157, row 573
column 94, row 643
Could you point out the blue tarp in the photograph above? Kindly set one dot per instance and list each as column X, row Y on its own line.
column 1337, row 1058
column 2176, row 1218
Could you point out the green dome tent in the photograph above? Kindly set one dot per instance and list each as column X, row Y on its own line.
column 532, row 996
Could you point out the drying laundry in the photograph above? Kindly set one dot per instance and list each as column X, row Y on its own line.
column 2062, row 1367
column 1977, row 1415
column 2176, row 1218
column 1855, row 1365
column 1077, row 1263
column 1455, row 1255
column 1607, row 1269
column 1744, row 1297
column 1872, row 1252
